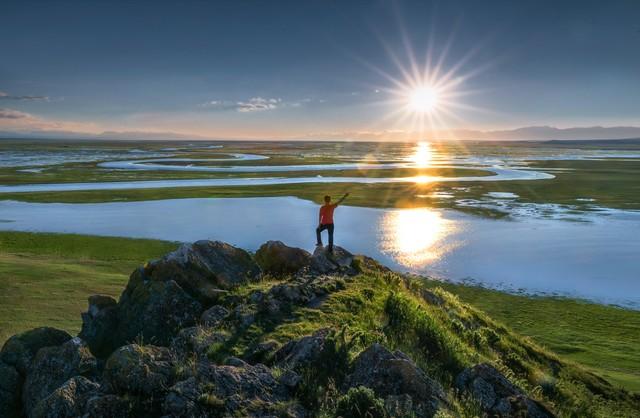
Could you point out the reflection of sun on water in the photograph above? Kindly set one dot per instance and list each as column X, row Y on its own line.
column 422, row 155
column 415, row 237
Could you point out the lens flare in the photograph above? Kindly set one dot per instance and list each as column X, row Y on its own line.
column 423, row 99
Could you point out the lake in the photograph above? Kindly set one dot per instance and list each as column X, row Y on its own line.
column 595, row 258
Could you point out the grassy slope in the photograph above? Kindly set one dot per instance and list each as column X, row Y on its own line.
column 604, row 338
column 46, row 278
column 442, row 338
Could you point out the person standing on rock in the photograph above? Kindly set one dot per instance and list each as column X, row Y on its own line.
column 326, row 220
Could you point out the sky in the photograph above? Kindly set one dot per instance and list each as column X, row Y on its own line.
column 316, row 69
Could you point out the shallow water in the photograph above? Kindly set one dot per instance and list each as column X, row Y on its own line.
column 500, row 174
column 596, row 260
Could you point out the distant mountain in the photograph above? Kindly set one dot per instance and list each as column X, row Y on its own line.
column 553, row 133
column 528, row 133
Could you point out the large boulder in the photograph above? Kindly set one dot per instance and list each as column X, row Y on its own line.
column 139, row 370
column 203, row 268
column 274, row 257
column 10, row 386
column 338, row 261
column 392, row 375
column 496, row 395
column 20, row 349
column 153, row 311
column 231, row 390
column 52, row 366
column 99, row 325
column 67, row 401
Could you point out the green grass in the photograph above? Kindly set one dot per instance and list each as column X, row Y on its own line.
column 45, row 279
column 604, row 338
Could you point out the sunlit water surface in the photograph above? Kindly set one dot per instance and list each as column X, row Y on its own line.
column 595, row 259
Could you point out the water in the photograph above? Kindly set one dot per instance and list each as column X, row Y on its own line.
column 596, row 260
column 500, row 174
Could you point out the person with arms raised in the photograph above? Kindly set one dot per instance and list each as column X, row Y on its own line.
column 326, row 220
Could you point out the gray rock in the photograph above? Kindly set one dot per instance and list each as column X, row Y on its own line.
column 290, row 379
column 303, row 290
column 67, row 401
column 276, row 258
column 393, row 374
column 170, row 294
column 10, row 386
column 203, row 268
column 299, row 354
column 52, row 366
column 154, row 310
column 248, row 391
column 20, row 349
column 213, row 316
column 261, row 352
column 244, row 315
column 195, row 341
column 324, row 262
column 144, row 370
column 497, row 395
column 109, row 406
column 100, row 324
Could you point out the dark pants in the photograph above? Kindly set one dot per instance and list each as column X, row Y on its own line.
column 328, row 227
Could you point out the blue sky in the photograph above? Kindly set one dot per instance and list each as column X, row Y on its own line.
column 252, row 69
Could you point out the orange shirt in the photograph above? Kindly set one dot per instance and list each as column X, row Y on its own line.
column 326, row 213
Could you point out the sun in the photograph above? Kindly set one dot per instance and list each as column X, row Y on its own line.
column 423, row 99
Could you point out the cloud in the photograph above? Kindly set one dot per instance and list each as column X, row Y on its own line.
column 13, row 114
column 6, row 96
column 254, row 104
column 18, row 121
column 258, row 104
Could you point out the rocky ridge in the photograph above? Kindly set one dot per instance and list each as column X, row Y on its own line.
column 165, row 349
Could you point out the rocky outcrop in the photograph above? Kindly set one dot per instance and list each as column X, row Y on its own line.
column 274, row 257
column 52, row 366
column 183, row 342
column 166, row 295
column 497, row 395
column 395, row 378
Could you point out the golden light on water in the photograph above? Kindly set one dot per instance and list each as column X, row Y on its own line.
column 422, row 156
column 415, row 237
